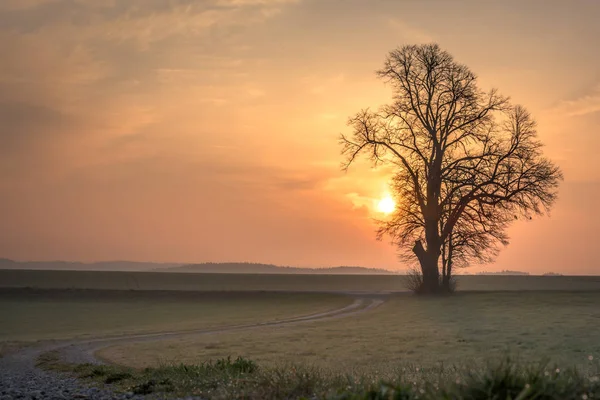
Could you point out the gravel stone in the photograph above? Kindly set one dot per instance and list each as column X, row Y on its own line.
column 21, row 379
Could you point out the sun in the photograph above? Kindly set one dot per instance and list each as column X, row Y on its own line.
column 386, row 205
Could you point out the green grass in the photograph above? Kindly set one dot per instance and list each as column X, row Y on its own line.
column 424, row 332
column 28, row 315
column 241, row 378
column 409, row 348
column 111, row 280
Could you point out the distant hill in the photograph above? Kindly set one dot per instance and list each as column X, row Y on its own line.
column 228, row 268
column 552, row 274
column 504, row 272
column 253, row 268
column 95, row 266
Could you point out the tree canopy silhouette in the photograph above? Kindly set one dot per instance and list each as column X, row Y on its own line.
column 466, row 162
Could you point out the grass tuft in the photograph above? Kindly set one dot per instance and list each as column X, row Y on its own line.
column 241, row 378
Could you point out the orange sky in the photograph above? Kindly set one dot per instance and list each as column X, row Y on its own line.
column 206, row 130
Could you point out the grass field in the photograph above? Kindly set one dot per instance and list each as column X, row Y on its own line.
column 240, row 378
column 27, row 314
column 467, row 328
column 421, row 346
column 110, row 280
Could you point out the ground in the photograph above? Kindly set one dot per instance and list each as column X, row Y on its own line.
column 559, row 326
column 307, row 340
column 28, row 314
column 111, row 280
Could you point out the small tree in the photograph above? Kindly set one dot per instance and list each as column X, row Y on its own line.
column 467, row 162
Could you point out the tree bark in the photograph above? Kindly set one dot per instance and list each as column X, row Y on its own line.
column 429, row 267
column 446, row 286
column 431, row 281
column 446, row 278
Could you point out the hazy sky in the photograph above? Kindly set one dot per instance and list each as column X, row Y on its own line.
column 181, row 130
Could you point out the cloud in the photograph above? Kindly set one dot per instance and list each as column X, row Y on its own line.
column 254, row 91
column 320, row 85
column 587, row 104
column 408, row 32
column 254, row 2
column 328, row 116
column 87, row 72
column 140, row 22
column 22, row 120
column 23, row 4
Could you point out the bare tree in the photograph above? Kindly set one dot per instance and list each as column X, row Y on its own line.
column 476, row 237
column 467, row 162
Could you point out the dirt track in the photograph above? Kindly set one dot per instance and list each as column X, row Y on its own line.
column 83, row 351
column 20, row 378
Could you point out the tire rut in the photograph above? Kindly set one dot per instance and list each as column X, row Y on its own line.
column 84, row 351
column 21, row 378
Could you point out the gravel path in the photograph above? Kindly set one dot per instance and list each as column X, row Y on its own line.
column 21, row 379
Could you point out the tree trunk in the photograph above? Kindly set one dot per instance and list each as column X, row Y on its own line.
column 446, row 285
column 446, row 278
column 429, row 268
column 444, row 262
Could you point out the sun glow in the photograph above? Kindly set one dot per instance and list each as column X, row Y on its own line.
column 386, row 205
